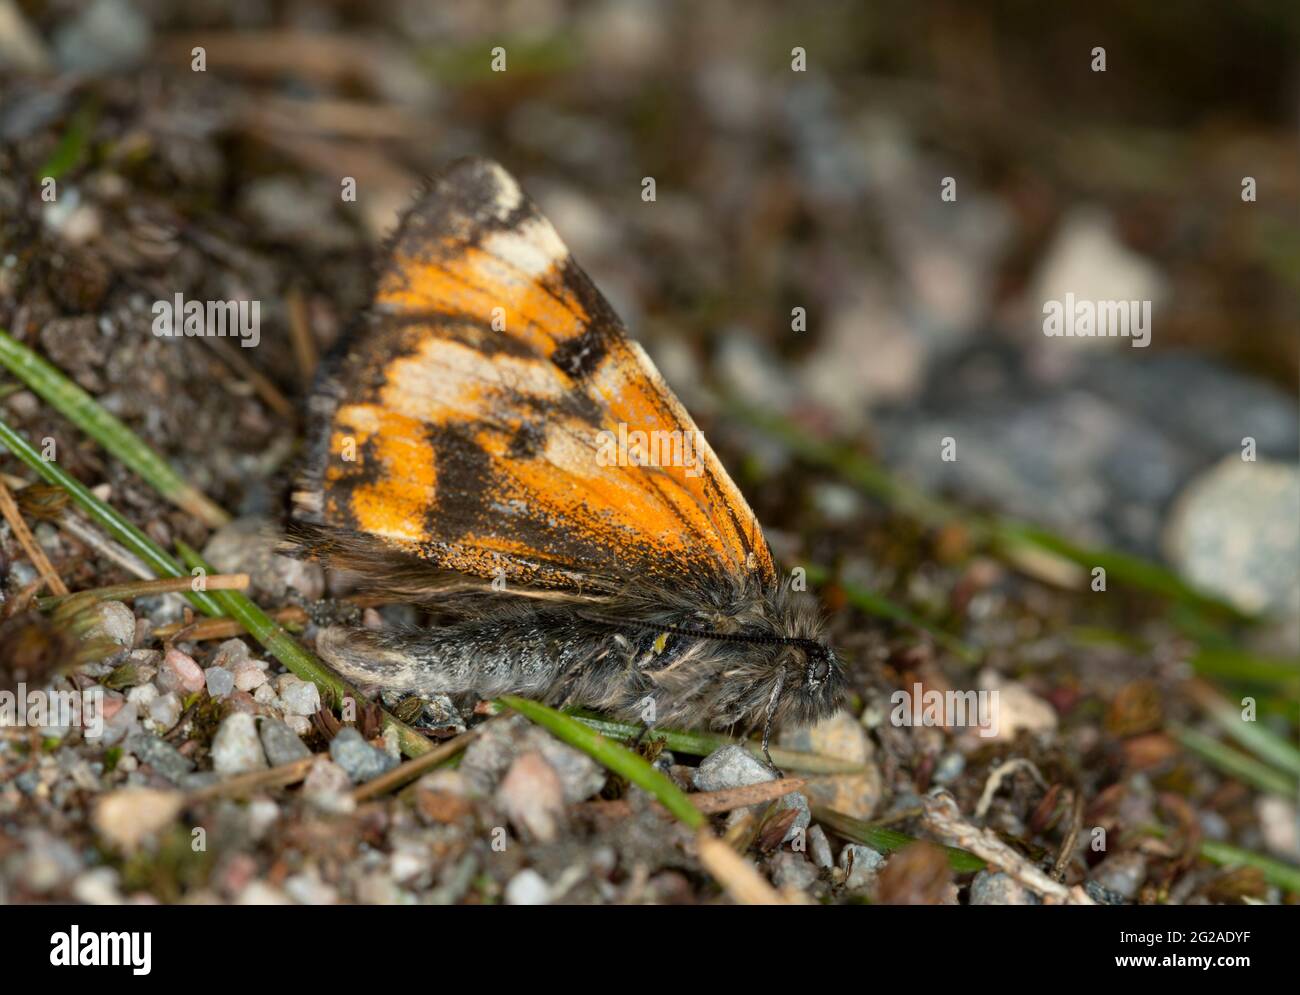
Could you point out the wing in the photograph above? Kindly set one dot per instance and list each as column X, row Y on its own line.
column 493, row 418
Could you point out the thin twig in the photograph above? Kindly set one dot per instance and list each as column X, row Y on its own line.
column 1071, row 836
column 241, row 784
column 222, row 627
column 9, row 508
column 944, row 819
column 304, row 346
column 737, row 875
column 1001, row 773
column 146, row 588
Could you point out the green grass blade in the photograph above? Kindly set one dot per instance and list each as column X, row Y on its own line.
column 72, row 145
column 1232, row 664
column 1285, row 876
column 1254, row 736
column 701, row 744
column 1124, row 567
column 888, row 840
column 610, row 754
column 117, row 526
column 87, row 414
column 1239, row 765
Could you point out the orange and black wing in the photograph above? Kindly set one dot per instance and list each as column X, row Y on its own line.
column 462, row 428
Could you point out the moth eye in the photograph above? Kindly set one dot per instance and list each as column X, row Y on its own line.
column 818, row 667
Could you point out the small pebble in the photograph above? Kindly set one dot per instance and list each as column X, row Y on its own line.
column 229, row 654
column 120, row 725
column 792, row 870
column 97, row 886
column 142, row 696
column 111, row 620
column 299, row 697
column 180, row 673
column 840, row 736
column 328, row 787
column 236, row 748
column 265, row 695
column 735, row 767
column 165, row 711
column 166, row 761
column 1122, row 873
column 819, row 848
column 997, row 888
column 860, row 865
column 129, row 816
column 528, row 888
column 489, row 757
column 281, row 743
column 532, row 797
column 298, row 723
column 248, row 675
column 362, row 761
column 220, row 681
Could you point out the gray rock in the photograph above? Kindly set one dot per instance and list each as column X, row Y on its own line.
column 111, row 620
column 860, row 865
column 165, row 711
column 236, row 748
column 45, row 862
column 1103, row 896
column 819, row 848
column 1121, row 873
column 792, row 870
column 997, row 888
column 299, row 697
column 198, row 780
column 281, row 743
column 107, row 36
column 362, row 761
column 528, row 888
column 230, row 653
column 220, row 681
column 731, row 767
column 489, row 757
column 165, row 759
column 1235, row 531
column 735, row 767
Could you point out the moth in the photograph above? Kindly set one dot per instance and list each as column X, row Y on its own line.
column 490, row 443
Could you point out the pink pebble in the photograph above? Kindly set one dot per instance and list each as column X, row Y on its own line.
column 179, row 671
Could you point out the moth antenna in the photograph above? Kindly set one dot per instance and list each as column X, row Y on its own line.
column 810, row 645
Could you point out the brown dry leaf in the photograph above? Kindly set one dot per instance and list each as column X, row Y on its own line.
column 918, row 874
column 1236, row 885
column 774, row 828
column 1135, row 709
column 1150, row 750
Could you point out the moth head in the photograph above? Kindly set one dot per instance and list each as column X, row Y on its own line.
column 814, row 682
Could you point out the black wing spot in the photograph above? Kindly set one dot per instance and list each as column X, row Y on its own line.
column 580, row 357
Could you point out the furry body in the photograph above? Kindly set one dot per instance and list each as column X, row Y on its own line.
column 578, row 654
